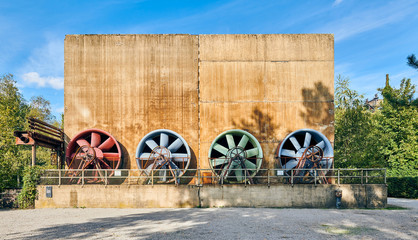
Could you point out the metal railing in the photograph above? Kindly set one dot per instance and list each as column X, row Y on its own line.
column 200, row 177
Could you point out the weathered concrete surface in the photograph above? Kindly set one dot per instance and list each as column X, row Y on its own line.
column 199, row 86
column 129, row 85
column 170, row 196
column 122, row 196
column 269, row 85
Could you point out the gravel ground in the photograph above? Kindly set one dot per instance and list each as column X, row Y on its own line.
column 212, row 223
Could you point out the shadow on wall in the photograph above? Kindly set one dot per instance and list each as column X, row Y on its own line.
column 258, row 124
column 319, row 108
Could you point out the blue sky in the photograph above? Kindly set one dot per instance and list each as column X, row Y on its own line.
column 372, row 38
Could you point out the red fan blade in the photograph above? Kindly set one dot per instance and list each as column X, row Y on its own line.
column 95, row 139
column 107, row 145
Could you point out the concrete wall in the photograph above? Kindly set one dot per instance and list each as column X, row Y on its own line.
column 170, row 196
column 199, row 86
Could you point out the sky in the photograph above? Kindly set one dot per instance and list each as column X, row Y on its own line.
column 372, row 38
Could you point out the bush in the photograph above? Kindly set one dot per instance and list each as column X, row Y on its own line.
column 27, row 196
column 405, row 187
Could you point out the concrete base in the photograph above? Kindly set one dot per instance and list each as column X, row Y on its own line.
column 186, row 196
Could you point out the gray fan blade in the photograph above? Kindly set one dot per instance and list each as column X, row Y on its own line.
column 149, row 169
column 163, row 173
column 230, row 140
column 180, row 157
column 175, row 145
column 288, row 153
column 307, row 140
column 295, row 143
column 321, row 144
column 249, row 165
column 218, row 161
column 163, row 140
column 144, row 156
column 220, row 148
column 151, row 144
column 290, row 164
column 238, row 174
column 252, row 152
column 243, row 142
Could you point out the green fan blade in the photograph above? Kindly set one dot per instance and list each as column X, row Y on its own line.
column 243, row 142
column 220, row 148
column 230, row 140
column 252, row 152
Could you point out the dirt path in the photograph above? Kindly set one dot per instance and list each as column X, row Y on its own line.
column 210, row 223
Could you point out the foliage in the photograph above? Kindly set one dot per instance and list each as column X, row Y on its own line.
column 14, row 111
column 405, row 187
column 27, row 196
column 385, row 138
column 412, row 61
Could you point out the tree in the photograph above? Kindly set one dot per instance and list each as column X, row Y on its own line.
column 352, row 128
column 13, row 111
column 40, row 108
column 412, row 61
column 398, row 129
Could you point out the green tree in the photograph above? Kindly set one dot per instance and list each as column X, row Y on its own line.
column 352, row 128
column 13, row 111
column 40, row 108
column 412, row 61
column 398, row 129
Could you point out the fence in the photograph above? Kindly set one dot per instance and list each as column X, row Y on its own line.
column 206, row 176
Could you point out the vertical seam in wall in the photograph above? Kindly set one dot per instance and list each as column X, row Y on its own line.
column 198, row 99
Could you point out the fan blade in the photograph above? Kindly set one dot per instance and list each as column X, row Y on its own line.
column 218, row 147
column 95, row 139
column 295, row 143
column 149, row 169
column 175, row 145
column 82, row 142
column 144, row 156
column 163, row 173
column 238, row 174
column 151, row 144
column 308, row 137
column 250, row 165
column 163, row 140
column 321, row 145
column 225, row 171
column 107, row 145
column 111, row 156
column 243, row 142
column 180, row 157
column 288, row 153
column 218, row 161
column 290, row 164
column 230, row 140
column 252, row 152
column 174, row 169
column 99, row 154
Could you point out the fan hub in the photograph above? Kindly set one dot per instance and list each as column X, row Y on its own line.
column 160, row 155
column 237, row 154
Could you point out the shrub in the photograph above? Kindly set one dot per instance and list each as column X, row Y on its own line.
column 405, row 187
column 27, row 196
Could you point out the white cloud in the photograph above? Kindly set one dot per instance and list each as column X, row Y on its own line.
column 337, row 2
column 45, row 66
column 34, row 78
column 369, row 19
column 59, row 110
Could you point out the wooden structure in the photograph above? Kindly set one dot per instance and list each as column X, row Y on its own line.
column 199, row 86
column 41, row 134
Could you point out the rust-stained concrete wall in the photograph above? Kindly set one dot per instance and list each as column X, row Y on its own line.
column 269, row 85
column 169, row 196
column 129, row 85
column 199, row 86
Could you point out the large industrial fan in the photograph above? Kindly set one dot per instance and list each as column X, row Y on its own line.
column 304, row 150
column 93, row 149
column 235, row 156
column 163, row 155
